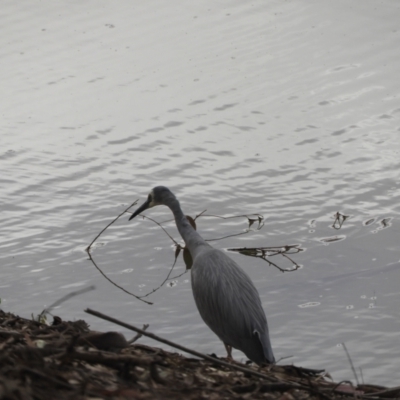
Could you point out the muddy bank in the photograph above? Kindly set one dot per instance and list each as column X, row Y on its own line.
column 67, row 360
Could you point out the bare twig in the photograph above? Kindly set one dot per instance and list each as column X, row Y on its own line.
column 104, row 229
column 228, row 236
column 165, row 280
column 199, row 215
column 65, row 298
column 283, row 358
column 251, row 221
column 351, row 363
column 178, row 276
column 178, row 249
column 138, row 335
column 177, row 346
column 88, row 251
column 159, row 224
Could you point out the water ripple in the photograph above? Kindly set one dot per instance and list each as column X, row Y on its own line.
column 95, row 113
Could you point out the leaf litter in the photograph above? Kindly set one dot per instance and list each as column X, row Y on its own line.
column 67, row 360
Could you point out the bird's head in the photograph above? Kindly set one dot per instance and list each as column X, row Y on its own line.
column 157, row 196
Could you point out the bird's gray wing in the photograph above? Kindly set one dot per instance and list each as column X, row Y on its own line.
column 230, row 305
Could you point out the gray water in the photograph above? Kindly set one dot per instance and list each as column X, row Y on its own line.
column 287, row 109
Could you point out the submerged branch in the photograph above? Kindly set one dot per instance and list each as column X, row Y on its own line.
column 265, row 252
column 339, row 220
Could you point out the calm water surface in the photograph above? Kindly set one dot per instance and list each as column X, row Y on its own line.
column 288, row 109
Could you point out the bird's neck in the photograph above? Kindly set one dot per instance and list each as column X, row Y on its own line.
column 193, row 240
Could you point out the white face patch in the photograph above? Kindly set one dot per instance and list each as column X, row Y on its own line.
column 151, row 197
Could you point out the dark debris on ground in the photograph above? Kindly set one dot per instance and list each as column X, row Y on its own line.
column 68, row 361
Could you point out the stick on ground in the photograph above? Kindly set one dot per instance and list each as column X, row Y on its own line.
column 178, row 346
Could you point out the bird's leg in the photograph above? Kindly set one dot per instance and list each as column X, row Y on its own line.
column 229, row 357
column 229, row 351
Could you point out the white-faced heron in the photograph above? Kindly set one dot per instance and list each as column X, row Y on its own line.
column 225, row 296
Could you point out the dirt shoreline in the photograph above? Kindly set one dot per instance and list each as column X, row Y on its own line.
column 67, row 360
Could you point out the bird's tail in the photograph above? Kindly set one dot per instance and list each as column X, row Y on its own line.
column 267, row 348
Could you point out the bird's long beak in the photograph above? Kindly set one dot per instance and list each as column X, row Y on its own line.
column 143, row 207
